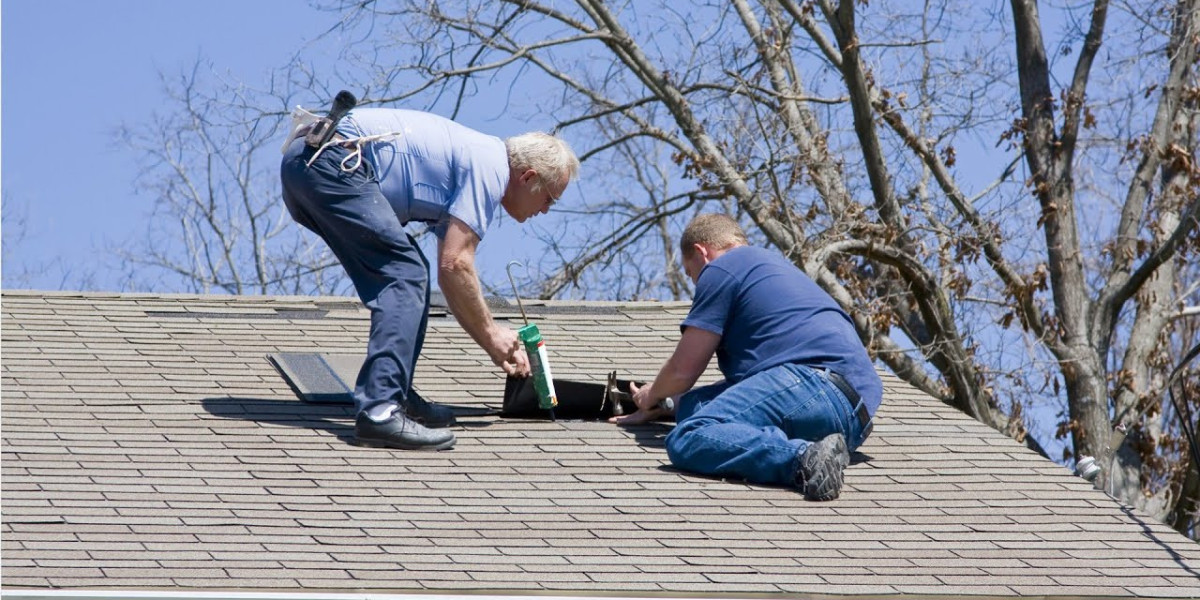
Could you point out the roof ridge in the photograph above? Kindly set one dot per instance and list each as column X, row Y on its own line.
column 193, row 296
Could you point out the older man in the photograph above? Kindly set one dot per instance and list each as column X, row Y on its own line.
column 383, row 169
column 799, row 390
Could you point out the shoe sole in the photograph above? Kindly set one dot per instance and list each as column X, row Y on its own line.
column 369, row 443
column 833, row 457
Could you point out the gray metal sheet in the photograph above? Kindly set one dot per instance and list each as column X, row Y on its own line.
column 318, row 378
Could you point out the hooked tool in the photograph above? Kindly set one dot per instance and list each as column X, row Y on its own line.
column 535, row 347
column 614, row 396
column 323, row 129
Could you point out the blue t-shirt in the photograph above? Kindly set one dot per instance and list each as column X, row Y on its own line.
column 768, row 313
column 435, row 168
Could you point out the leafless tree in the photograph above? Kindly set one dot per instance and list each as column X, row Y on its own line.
column 1007, row 211
column 21, row 267
column 13, row 231
column 211, row 165
column 1003, row 196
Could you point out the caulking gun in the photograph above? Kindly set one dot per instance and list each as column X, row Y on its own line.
column 539, row 359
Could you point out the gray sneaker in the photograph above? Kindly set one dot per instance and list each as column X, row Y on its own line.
column 820, row 472
column 429, row 414
column 398, row 431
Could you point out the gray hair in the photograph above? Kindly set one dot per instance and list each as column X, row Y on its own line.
column 550, row 156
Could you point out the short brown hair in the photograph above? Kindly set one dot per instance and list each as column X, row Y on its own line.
column 715, row 229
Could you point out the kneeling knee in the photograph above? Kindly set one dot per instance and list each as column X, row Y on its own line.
column 679, row 442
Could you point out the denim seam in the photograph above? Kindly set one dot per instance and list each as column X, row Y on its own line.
column 839, row 402
column 825, row 393
column 793, row 463
column 779, row 392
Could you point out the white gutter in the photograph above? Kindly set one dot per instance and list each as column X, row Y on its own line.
column 10, row 594
column 166, row 594
column 35, row 594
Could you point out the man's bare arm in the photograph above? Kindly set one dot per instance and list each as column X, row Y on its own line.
column 693, row 352
column 460, row 284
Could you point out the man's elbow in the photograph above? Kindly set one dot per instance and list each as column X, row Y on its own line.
column 454, row 267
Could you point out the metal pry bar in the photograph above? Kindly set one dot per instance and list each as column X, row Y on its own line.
column 508, row 269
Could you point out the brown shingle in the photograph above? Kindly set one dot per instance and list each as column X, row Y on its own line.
column 147, row 443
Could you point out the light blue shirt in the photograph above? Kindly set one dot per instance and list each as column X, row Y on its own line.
column 435, row 168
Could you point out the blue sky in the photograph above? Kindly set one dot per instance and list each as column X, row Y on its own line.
column 73, row 71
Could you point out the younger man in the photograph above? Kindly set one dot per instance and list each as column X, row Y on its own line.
column 799, row 390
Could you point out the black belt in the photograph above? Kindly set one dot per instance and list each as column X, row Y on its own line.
column 856, row 404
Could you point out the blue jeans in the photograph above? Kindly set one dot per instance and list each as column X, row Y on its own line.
column 389, row 271
column 757, row 428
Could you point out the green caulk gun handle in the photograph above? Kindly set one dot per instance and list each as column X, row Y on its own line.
column 539, row 366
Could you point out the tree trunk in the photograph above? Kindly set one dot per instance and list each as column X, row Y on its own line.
column 1049, row 156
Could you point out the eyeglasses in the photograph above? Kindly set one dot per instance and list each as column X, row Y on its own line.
column 551, row 199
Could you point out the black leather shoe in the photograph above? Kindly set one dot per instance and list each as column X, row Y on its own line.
column 400, row 432
column 822, row 468
column 429, row 414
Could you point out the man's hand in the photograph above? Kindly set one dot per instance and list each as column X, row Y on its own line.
column 638, row 417
column 641, row 396
column 504, row 347
column 460, row 284
column 648, row 410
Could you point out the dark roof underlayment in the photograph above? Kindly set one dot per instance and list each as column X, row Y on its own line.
column 149, row 445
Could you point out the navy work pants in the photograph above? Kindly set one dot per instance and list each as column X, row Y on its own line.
column 388, row 269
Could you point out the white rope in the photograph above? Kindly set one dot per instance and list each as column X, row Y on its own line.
column 355, row 155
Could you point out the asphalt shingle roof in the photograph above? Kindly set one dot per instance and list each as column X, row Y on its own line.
column 148, row 444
